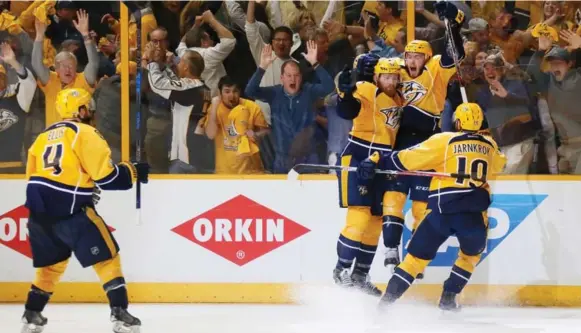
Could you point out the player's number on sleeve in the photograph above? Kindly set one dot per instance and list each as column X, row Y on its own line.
column 52, row 158
column 478, row 170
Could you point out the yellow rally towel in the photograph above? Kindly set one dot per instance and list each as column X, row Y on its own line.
column 239, row 124
column 132, row 68
column 43, row 11
column 8, row 22
column 542, row 29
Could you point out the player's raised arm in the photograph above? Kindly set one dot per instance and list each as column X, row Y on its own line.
column 348, row 102
column 424, row 156
column 455, row 17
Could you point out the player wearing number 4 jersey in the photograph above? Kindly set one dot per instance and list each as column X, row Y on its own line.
column 66, row 163
column 456, row 206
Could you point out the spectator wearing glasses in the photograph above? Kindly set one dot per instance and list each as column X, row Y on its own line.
column 157, row 136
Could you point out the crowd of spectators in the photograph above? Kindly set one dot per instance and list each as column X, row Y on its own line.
column 247, row 87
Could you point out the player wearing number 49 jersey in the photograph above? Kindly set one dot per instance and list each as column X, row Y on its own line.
column 425, row 79
column 65, row 165
column 456, row 206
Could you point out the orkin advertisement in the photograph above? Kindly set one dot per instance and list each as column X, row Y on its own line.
column 245, row 231
column 240, row 230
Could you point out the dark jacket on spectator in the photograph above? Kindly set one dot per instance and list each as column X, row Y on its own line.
column 58, row 31
column 340, row 54
column 106, row 66
column 107, row 98
column 290, row 115
column 511, row 119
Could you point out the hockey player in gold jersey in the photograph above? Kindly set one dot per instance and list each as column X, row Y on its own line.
column 456, row 206
column 66, row 163
column 375, row 110
column 424, row 85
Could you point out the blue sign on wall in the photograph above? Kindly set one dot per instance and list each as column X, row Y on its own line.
column 504, row 215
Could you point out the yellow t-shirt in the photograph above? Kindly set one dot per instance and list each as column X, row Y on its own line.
column 226, row 145
column 388, row 31
column 52, row 88
column 486, row 10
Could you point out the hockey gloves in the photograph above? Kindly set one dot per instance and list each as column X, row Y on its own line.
column 366, row 67
column 142, row 172
column 447, row 10
column 366, row 169
column 346, row 82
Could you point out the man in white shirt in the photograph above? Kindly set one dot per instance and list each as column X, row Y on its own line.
column 198, row 40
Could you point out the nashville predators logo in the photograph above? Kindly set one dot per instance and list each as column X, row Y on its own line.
column 413, row 92
column 231, row 130
column 392, row 116
column 7, row 119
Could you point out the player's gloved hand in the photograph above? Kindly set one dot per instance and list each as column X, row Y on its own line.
column 366, row 67
column 366, row 169
column 447, row 10
column 345, row 83
column 142, row 172
column 96, row 195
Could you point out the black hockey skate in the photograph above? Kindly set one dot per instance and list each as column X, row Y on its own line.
column 385, row 302
column 124, row 322
column 342, row 277
column 448, row 302
column 362, row 282
column 33, row 322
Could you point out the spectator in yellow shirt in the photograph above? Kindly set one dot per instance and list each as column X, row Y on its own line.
column 513, row 43
column 65, row 75
column 555, row 16
column 236, row 150
column 386, row 15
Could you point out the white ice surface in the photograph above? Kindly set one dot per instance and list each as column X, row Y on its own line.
column 321, row 310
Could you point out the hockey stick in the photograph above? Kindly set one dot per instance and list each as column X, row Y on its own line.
column 302, row 168
column 138, row 78
column 455, row 58
column 136, row 11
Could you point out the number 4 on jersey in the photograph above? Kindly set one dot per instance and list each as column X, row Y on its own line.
column 52, row 157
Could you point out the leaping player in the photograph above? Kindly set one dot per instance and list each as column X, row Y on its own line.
column 456, row 206
column 424, row 85
column 375, row 109
column 65, row 165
